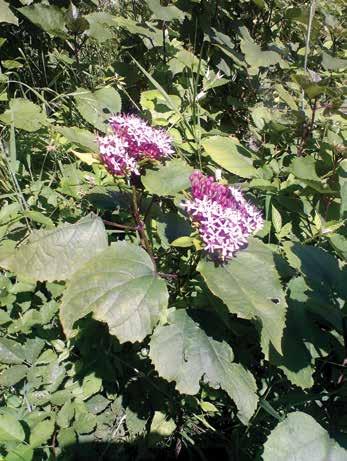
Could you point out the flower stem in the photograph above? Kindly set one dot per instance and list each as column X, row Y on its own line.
column 141, row 228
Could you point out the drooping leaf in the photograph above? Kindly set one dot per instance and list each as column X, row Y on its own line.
column 6, row 14
column 300, row 437
column 10, row 429
column 96, row 107
column 50, row 18
column 56, row 254
column 78, row 136
column 24, row 115
column 168, row 179
column 229, row 155
column 11, row 352
column 250, row 287
column 182, row 352
column 120, row 287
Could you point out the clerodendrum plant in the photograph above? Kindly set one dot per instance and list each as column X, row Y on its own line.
column 187, row 282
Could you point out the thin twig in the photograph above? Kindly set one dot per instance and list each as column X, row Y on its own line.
column 120, row 226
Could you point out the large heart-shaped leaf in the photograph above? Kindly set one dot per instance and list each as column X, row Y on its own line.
column 120, row 287
column 299, row 437
column 56, row 254
column 96, row 107
column 169, row 179
column 250, row 287
column 182, row 352
column 230, row 156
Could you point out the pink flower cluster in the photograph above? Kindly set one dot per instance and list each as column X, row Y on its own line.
column 132, row 140
column 223, row 216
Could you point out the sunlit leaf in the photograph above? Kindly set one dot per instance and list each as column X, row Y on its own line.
column 6, row 14
column 301, row 438
column 24, row 114
column 230, row 155
column 168, row 179
column 120, row 287
column 50, row 18
column 56, row 254
column 96, row 107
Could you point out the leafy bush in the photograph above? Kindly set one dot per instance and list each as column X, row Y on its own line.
column 121, row 335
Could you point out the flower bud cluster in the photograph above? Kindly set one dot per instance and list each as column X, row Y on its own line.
column 224, row 218
column 132, row 140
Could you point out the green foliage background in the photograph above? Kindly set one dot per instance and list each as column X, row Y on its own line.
column 108, row 352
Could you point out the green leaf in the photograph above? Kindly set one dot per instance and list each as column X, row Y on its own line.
column 301, row 438
column 65, row 415
column 161, row 427
column 11, row 352
column 96, row 107
column 331, row 63
column 13, row 375
column 250, row 287
column 100, row 24
column 24, row 115
column 296, row 362
column 20, row 453
column 91, row 385
column 41, row 433
column 6, row 14
column 79, row 136
column 135, row 424
column 85, row 423
column 319, row 266
column 66, row 437
column 304, row 168
column 50, row 18
column 229, row 155
column 182, row 352
column 56, row 254
column 254, row 55
column 339, row 243
column 168, row 179
column 97, row 404
column 120, row 287
column 165, row 13
column 183, row 242
column 10, row 429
